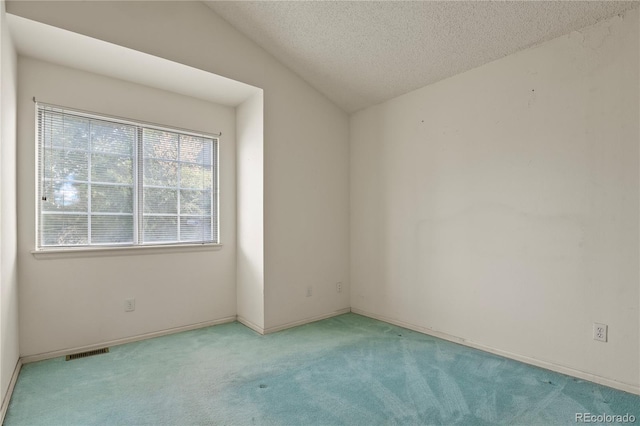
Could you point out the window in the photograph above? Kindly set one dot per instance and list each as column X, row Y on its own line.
column 111, row 182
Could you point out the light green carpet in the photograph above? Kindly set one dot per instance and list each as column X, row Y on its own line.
column 347, row 370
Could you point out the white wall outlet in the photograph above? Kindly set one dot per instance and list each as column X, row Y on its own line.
column 130, row 305
column 339, row 287
column 309, row 291
column 600, row 332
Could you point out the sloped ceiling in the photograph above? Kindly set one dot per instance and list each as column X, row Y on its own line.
column 365, row 52
column 51, row 44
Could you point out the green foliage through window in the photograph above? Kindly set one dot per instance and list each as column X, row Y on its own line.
column 109, row 182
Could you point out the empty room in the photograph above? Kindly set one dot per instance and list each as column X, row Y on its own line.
column 319, row 212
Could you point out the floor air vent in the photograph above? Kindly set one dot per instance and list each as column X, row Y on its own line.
column 88, row 353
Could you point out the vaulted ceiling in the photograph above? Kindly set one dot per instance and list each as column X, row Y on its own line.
column 364, row 52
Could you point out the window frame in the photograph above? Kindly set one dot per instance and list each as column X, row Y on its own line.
column 137, row 186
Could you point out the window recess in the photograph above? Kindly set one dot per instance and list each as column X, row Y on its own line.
column 108, row 182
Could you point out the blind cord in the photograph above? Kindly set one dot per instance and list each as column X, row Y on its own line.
column 49, row 156
column 43, row 166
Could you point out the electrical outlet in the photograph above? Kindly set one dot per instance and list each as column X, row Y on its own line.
column 309, row 291
column 339, row 287
column 130, row 305
column 600, row 332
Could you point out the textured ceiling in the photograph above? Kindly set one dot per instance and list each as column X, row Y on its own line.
column 362, row 53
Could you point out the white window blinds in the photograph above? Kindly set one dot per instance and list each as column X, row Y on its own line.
column 104, row 181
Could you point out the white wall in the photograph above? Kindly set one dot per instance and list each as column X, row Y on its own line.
column 9, row 350
column 73, row 301
column 306, row 192
column 250, row 212
column 306, row 204
column 500, row 206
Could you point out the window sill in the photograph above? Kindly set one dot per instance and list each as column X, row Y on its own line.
column 122, row 251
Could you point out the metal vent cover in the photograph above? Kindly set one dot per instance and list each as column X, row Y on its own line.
column 87, row 353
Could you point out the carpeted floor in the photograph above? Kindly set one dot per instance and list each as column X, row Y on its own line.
column 347, row 370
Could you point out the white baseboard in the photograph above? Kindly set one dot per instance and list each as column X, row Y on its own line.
column 7, row 396
column 242, row 320
column 626, row 387
column 64, row 352
column 306, row 321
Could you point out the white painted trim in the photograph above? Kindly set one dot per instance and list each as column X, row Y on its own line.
column 626, row 387
column 242, row 320
column 12, row 385
column 306, row 321
column 64, row 352
column 61, row 253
